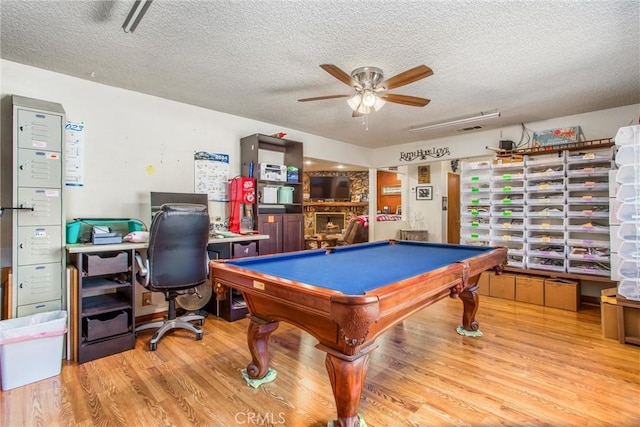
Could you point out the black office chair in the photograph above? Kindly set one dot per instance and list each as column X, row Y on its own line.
column 176, row 262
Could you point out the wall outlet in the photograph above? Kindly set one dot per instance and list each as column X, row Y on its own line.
column 146, row 298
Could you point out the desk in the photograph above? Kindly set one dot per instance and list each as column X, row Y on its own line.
column 103, row 304
column 348, row 296
column 75, row 248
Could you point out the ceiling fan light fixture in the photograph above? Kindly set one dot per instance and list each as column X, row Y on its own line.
column 369, row 98
column 355, row 101
column 379, row 103
column 363, row 109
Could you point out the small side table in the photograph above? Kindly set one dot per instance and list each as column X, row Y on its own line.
column 320, row 242
column 419, row 235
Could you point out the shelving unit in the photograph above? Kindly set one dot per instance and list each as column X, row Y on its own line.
column 508, row 201
column 549, row 207
column 283, row 222
column 103, row 303
column 625, row 219
column 475, row 188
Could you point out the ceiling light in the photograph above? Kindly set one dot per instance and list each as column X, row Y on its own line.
column 363, row 109
column 366, row 102
column 135, row 15
column 369, row 98
column 482, row 116
column 355, row 101
column 379, row 103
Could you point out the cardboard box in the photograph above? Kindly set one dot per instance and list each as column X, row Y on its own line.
column 609, row 313
column 502, row 286
column 562, row 293
column 609, row 316
column 483, row 283
column 530, row 289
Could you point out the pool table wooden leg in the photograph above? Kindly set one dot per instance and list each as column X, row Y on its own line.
column 347, row 377
column 258, row 340
column 470, row 301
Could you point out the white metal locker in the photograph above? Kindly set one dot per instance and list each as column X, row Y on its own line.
column 38, row 130
column 46, row 204
column 37, row 245
column 38, row 168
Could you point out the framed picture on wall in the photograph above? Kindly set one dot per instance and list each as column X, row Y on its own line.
column 424, row 174
column 424, row 192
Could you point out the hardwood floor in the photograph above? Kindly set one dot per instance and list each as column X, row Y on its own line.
column 533, row 366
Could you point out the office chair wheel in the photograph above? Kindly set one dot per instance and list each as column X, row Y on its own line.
column 153, row 346
column 198, row 336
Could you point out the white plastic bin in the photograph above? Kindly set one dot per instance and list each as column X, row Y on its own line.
column 629, row 212
column 629, row 174
column 629, row 231
column 630, row 289
column 628, row 155
column 31, row 348
column 628, row 135
column 629, row 193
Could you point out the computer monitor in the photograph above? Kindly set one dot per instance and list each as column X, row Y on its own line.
column 159, row 198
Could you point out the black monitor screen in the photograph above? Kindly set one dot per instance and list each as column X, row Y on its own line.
column 158, row 199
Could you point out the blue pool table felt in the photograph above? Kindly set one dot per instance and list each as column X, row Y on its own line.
column 358, row 269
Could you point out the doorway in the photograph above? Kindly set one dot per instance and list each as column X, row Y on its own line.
column 453, row 208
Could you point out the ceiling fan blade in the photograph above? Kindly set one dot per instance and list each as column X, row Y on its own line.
column 340, row 75
column 409, row 76
column 413, row 101
column 356, row 114
column 320, row 98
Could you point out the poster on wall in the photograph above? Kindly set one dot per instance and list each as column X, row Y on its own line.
column 424, row 174
column 74, row 154
column 556, row 136
column 211, row 175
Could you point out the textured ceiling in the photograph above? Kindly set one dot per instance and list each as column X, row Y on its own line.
column 531, row 60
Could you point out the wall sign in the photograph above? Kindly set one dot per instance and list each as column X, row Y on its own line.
column 424, row 154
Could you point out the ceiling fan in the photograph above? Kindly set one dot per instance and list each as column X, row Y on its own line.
column 371, row 88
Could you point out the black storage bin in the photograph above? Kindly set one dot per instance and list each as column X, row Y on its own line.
column 105, row 263
column 105, row 325
column 241, row 250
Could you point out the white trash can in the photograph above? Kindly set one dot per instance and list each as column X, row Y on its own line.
column 31, row 348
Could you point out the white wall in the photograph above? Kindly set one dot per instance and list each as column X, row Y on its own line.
column 427, row 213
column 137, row 143
column 594, row 125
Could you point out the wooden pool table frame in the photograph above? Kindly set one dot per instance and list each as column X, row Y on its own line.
column 346, row 326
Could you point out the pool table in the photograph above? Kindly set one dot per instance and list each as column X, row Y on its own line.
column 348, row 296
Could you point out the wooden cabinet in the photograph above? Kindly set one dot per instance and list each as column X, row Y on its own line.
column 281, row 220
column 103, row 301
column 286, row 233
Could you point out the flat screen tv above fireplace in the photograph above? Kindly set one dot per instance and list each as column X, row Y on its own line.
column 336, row 188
